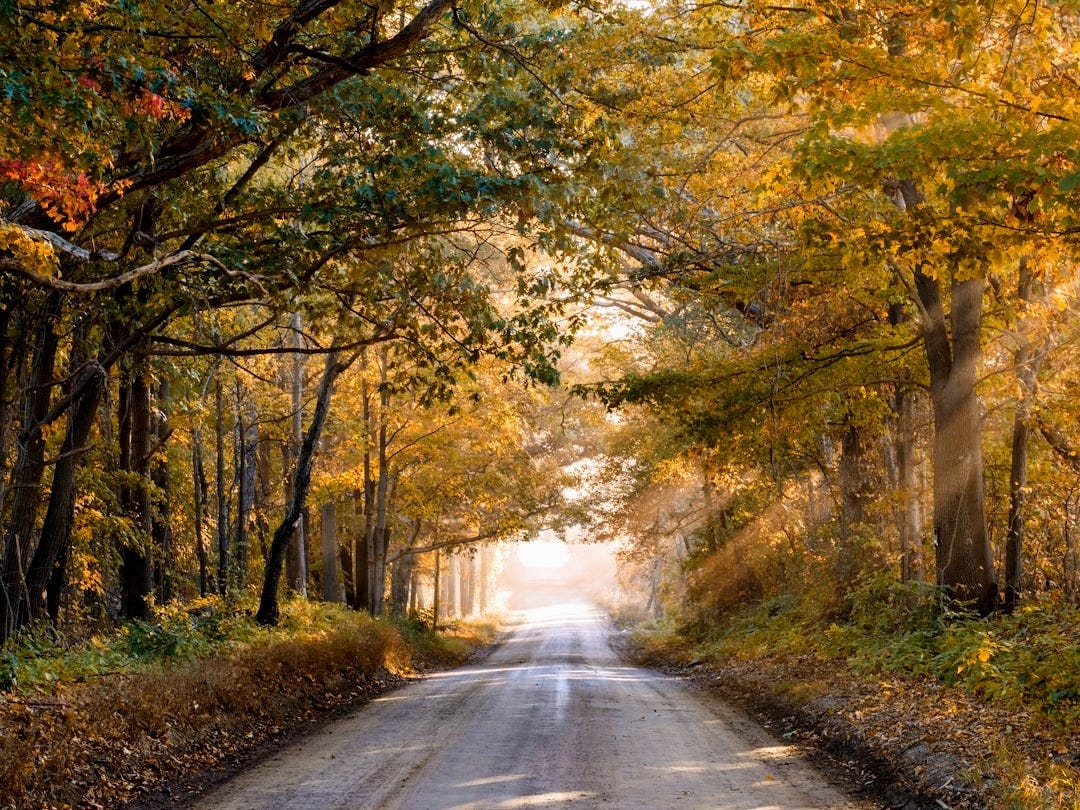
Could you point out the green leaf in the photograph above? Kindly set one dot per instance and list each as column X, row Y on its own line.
column 1069, row 182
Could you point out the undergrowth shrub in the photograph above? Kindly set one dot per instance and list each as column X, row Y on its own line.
column 450, row 645
column 1030, row 659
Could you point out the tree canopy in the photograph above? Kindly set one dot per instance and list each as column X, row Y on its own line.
column 252, row 254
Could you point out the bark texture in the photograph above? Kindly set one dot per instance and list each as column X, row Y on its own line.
column 964, row 562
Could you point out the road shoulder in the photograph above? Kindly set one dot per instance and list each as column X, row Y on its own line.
column 908, row 742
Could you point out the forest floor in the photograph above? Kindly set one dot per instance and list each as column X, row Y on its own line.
column 912, row 742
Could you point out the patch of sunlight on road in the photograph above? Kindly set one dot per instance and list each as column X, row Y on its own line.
column 558, row 799
column 549, row 799
column 771, row 752
column 492, row 780
column 687, row 768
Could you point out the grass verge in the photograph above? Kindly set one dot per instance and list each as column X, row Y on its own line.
column 102, row 723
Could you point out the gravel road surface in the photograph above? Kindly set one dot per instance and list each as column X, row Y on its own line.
column 553, row 718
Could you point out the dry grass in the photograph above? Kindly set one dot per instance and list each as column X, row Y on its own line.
column 108, row 739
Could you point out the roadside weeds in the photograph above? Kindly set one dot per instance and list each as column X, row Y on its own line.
column 148, row 736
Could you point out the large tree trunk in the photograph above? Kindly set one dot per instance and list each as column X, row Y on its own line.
column 1027, row 368
column 964, row 560
column 136, row 573
column 269, row 612
column 909, row 517
column 47, row 571
column 29, row 469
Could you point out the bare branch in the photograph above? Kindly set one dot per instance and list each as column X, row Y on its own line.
column 103, row 285
column 457, row 541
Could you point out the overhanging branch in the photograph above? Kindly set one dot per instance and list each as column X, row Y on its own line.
column 63, row 285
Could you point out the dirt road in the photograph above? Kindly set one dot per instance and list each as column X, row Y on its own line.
column 552, row 719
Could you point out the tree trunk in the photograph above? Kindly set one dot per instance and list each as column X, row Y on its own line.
column 964, row 561
column 199, row 495
column 359, row 540
column 330, row 588
column 468, row 606
column 851, row 478
column 1060, row 444
column 136, row 572
column 297, row 565
column 908, row 517
column 269, row 611
column 222, row 498
column 403, row 575
column 1070, row 563
column 453, row 589
column 247, row 443
column 485, row 577
column 29, row 469
column 399, row 584
column 1027, row 368
column 47, row 569
column 414, row 590
column 435, row 596
column 160, row 531
column 909, row 514
column 369, row 498
column 263, row 492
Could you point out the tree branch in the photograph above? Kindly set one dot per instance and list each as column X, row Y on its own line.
column 103, row 285
column 371, row 56
column 458, row 541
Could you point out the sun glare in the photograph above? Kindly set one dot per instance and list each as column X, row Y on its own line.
column 543, row 554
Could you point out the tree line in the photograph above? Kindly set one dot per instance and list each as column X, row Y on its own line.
column 253, row 256
column 215, row 220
